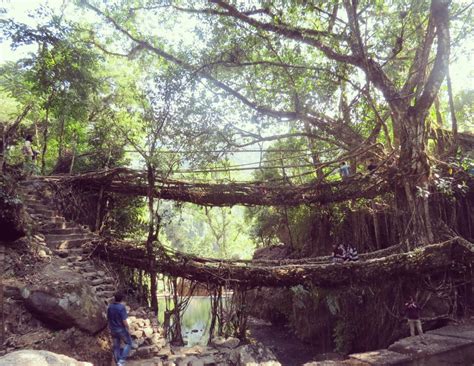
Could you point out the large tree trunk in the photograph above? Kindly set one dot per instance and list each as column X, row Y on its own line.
column 412, row 184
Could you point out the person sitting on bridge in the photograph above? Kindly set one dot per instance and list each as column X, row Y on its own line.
column 338, row 254
column 351, row 254
column 470, row 170
column 371, row 166
column 344, row 170
column 412, row 312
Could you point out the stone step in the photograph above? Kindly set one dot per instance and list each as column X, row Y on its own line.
column 68, row 236
column 38, row 205
column 49, row 219
column 73, row 229
column 89, row 268
column 45, row 227
column 84, row 270
column 102, row 281
column 105, row 294
column 40, row 208
column 82, row 263
column 43, row 212
column 67, row 244
column 78, row 259
column 36, row 202
column 76, row 269
column 105, row 287
column 63, row 253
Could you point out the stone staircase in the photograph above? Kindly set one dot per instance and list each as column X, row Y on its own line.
column 66, row 239
column 64, row 243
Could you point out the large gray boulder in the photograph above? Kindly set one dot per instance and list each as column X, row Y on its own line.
column 230, row 342
column 29, row 357
column 253, row 355
column 63, row 299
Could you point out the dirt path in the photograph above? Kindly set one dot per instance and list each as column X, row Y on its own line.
column 289, row 350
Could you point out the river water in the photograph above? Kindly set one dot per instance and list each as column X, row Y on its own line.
column 196, row 320
column 289, row 350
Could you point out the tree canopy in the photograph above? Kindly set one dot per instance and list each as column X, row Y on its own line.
column 267, row 91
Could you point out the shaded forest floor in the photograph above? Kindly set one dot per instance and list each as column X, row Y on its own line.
column 289, row 350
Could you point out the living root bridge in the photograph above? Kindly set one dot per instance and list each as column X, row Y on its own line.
column 130, row 182
column 455, row 255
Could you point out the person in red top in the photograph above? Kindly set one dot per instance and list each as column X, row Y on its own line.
column 412, row 311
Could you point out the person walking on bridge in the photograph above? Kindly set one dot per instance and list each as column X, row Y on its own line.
column 118, row 325
column 344, row 170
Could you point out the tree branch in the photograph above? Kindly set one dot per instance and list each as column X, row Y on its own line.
column 440, row 13
column 302, row 35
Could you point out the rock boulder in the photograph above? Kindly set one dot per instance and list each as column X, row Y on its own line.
column 63, row 300
column 230, row 342
column 29, row 357
column 254, row 354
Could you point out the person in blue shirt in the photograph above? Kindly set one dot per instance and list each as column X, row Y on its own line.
column 118, row 325
column 470, row 170
column 344, row 170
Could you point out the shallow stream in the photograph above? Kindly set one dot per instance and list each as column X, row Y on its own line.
column 288, row 349
column 196, row 320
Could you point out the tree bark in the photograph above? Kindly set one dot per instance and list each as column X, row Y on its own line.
column 45, row 141
column 151, row 238
column 454, row 121
column 413, row 162
column 120, row 180
column 61, row 138
column 415, row 170
column 314, row 155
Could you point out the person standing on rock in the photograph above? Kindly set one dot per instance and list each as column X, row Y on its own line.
column 412, row 311
column 118, row 325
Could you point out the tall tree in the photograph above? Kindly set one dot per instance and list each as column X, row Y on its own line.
column 329, row 40
column 60, row 75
